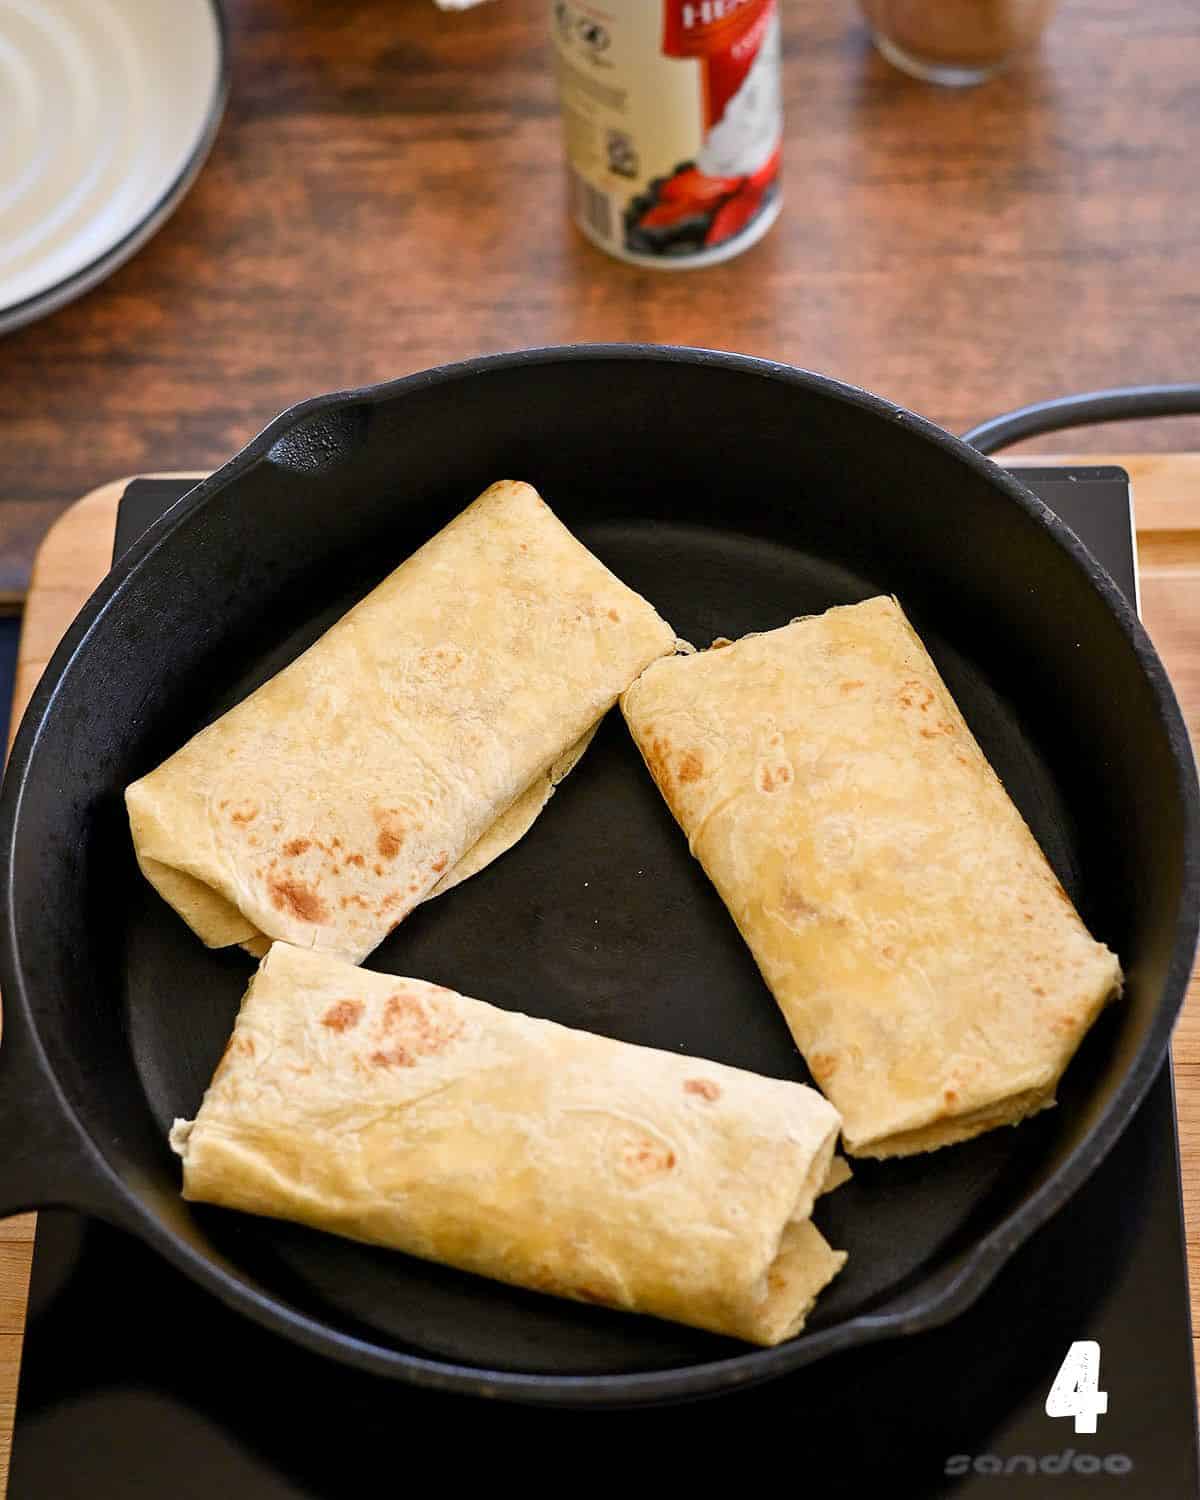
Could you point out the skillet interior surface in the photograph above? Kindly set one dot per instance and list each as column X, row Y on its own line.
column 734, row 502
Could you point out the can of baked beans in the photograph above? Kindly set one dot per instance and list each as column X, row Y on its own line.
column 673, row 118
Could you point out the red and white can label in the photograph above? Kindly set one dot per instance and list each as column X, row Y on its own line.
column 673, row 121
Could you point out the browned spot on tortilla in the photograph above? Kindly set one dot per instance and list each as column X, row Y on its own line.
column 439, row 864
column 646, row 1157
column 823, row 1065
column 705, row 1087
column 888, row 951
column 441, row 661
column 951, row 1096
column 246, row 1046
column 335, row 843
column 1066, row 1023
column 613, row 615
column 393, row 828
column 354, row 899
column 404, row 1010
column 524, row 547
column 915, row 694
column 657, row 752
column 253, row 841
column 851, row 685
column 297, row 899
column 1038, row 989
column 776, row 1280
column 1057, row 887
column 244, row 814
column 691, row 767
column 295, row 847
column 223, row 804
column 412, row 1030
column 379, row 869
column 384, row 815
column 771, row 778
column 355, row 859
column 797, row 907
column 396, row 1058
column 342, row 1015
column 590, row 1294
column 275, row 827
column 944, row 727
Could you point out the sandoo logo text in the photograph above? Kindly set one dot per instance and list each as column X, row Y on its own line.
column 1051, row 1464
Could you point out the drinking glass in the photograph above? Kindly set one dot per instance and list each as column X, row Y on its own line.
column 955, row 41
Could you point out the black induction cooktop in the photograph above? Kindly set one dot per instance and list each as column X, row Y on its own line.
column 137, row 1383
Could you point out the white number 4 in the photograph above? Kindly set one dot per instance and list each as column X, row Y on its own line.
column 1076, row 1390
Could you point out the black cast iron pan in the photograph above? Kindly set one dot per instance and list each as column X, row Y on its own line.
column 735, row 495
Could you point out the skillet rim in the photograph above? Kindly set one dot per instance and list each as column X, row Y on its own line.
column 949, row 1296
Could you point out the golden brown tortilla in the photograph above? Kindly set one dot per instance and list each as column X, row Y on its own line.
column 400, row 1113
column 408, row 747
column 931, row 967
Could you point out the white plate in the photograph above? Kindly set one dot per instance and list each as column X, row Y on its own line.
column 107, row 111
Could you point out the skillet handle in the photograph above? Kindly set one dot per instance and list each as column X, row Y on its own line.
column 46, row 1161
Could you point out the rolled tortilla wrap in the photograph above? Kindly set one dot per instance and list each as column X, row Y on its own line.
column 400, row 1113
column 416, row 740
column 933, row 971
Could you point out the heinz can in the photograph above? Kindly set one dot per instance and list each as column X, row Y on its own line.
column 673, row 120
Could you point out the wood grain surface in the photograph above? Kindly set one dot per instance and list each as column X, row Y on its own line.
column 386, row 194
column 76, row 555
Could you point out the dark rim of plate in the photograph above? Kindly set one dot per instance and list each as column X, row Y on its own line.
column 42, row 303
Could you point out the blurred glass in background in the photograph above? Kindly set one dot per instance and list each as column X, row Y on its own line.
column 955, row 42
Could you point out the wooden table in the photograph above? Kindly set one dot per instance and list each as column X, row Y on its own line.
column 75, row 557
column 386, row 194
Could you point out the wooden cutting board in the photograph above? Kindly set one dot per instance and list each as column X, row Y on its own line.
column 75, row 556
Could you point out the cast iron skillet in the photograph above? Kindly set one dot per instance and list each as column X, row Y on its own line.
column 735, row 494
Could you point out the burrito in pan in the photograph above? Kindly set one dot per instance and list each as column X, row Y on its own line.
column 414, row 742
column 400, row 1113
column 932, row 969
